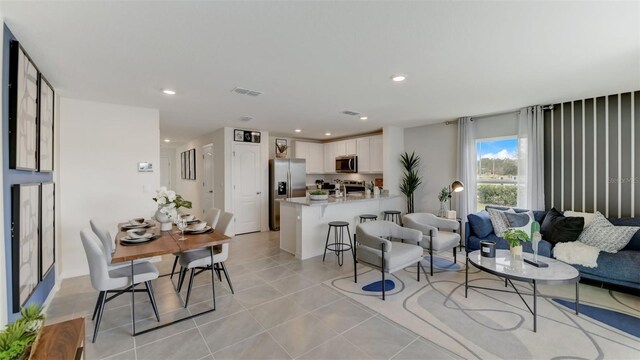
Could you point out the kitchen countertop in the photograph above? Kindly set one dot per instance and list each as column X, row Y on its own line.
column 305, row 201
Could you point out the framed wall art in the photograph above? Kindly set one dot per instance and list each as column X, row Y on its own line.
column 25, row 214
column 192, row 164
column 23, row 110
column 45, row 116
column 183, row 163
column 246, row 136
column 47, row 228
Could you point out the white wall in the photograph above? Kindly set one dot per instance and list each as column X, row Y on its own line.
column 392, row 148
column 496, row 125
column 100, row 147
column 436, row 146
column 3, row 273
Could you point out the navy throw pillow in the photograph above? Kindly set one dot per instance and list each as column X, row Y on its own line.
column 480, row 223
column 547, row 225
column 567, row 229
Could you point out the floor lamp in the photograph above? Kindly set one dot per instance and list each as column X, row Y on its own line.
column 456, row 186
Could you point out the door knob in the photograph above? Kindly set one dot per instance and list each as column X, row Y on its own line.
column 259, row 192
column 210, row 191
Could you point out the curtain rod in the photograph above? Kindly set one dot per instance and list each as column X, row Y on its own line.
column 449, row 122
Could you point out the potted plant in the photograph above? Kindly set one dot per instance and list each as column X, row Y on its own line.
column 515, row 238
column 281, row 151
column 410, row 179
column 168, row 204
column 19, row 339
column 318, row 195
column 444, row 196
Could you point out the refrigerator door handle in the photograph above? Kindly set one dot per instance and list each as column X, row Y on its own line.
column 288, row 184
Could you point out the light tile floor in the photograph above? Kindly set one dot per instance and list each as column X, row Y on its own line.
column 280, row 310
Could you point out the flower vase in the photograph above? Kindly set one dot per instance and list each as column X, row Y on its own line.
column 535, row 240
column 443, row 209
column 516, row 251
column 164, row 220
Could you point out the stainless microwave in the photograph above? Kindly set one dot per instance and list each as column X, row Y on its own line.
column 347, row 164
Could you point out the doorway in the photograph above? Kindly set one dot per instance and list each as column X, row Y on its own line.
column 207, row 178
column 165, row 172
column 247, row 191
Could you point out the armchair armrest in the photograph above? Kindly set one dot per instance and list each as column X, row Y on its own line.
column 370, row 239
column 411, row 223
column 404, row 233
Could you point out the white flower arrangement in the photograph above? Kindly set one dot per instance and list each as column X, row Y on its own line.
column 169, row 202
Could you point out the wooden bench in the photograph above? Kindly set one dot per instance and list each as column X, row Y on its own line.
column 61, row 341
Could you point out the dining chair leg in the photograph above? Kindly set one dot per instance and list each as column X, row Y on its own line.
column 173, row 269
column 95, row 311
column 152, row 299
column 217, row 268
column 226, row 275
column 213, row 284
column 103, row 299
column 193, row 272
column 183, row 274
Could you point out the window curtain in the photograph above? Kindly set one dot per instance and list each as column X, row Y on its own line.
column 466, row 167
column 531, row 158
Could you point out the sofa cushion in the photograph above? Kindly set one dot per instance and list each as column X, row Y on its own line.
column 588, row 217
column 602, row 234
column 480, row 223
column 634, row 243
column 566, row 229
column 499, row 220
column 621, row 266
column 547, row 225
column 520, row 221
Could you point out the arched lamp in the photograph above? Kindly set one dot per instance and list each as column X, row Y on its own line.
column 456, row 186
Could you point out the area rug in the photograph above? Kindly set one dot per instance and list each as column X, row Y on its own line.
column 490, row 324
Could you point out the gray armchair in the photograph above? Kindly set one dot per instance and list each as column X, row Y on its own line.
column 438, row 234
column 374, row 250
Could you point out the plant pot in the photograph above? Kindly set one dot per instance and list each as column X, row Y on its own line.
column 319, row 197
column 281, row 156
column 442, row 212
column 516, row 251
column 164, row 220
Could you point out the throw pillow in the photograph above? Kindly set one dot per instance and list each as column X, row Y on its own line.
column 499, row 220
column 480, row 223
column 520, row 221
column 547, row 224
column 588, row 217
column 606, row 236
column 566, row 229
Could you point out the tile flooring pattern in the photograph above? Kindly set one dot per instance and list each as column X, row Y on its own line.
column 280, row 311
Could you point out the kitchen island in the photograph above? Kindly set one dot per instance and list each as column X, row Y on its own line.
column 304, row 222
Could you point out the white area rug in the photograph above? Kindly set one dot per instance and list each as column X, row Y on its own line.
column 490, row 324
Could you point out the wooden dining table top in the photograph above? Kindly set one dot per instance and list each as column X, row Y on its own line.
column 167, row 243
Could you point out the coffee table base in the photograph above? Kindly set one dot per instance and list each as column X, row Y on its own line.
column 507, row 280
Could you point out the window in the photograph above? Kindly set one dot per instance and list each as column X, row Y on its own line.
column 497, row 168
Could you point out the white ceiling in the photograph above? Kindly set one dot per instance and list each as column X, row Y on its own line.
column 313, row 60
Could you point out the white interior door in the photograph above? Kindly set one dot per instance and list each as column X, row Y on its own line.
column 207, row 178
column 165, row 172
column 246, row 187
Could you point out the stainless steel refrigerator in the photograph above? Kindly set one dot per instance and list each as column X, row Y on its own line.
column 287, row 179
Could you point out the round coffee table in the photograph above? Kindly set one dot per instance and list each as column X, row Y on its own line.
column 503, row 266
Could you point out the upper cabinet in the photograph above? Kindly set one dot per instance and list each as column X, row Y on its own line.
column 313, row 153
column 321, row 158
column 375, row 153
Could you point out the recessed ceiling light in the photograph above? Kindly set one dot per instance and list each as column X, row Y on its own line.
column 363, row 118
column 169, row 92
column 167, row 140
column 327, row 134
column 398, row 78
column 297, row 130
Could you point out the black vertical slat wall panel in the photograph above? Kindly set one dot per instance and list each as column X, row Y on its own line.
column 591, row 157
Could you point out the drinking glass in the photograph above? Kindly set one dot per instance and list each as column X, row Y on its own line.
column 182, row 224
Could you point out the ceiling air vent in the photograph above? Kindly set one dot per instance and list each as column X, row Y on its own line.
column 246, row 118
column 247, row 92
column 351, row 113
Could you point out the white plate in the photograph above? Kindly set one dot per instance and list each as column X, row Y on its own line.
column 194, row 231
column 144, row 237
column 141, row 226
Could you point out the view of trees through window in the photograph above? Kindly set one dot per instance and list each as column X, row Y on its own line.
column 497, row 172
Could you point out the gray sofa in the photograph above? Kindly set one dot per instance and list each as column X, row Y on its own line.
column 621, row 268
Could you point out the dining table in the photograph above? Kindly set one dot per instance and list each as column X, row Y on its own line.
column 165, row 242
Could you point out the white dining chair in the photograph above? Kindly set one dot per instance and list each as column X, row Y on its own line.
column 108, row 281
column 200, row 260
column 107, row 243
column 211, row 217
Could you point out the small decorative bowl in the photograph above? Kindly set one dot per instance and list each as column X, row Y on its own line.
column 188, row 217
column 319, row 197
column 199, row 225
column 136, row 233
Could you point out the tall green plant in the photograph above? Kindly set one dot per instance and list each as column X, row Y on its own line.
column 410, row 178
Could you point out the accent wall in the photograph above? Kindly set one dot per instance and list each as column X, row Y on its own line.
column 591, row 155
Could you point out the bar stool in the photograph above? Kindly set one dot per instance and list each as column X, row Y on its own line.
column 368, row 217
column 338, row 246
column 393, row 215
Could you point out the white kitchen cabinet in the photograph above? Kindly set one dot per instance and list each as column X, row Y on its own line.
column 375, row 154
column 339, row 148
column 313, row 153
column 350, row 147
column 363, row 152
column 329, row 158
